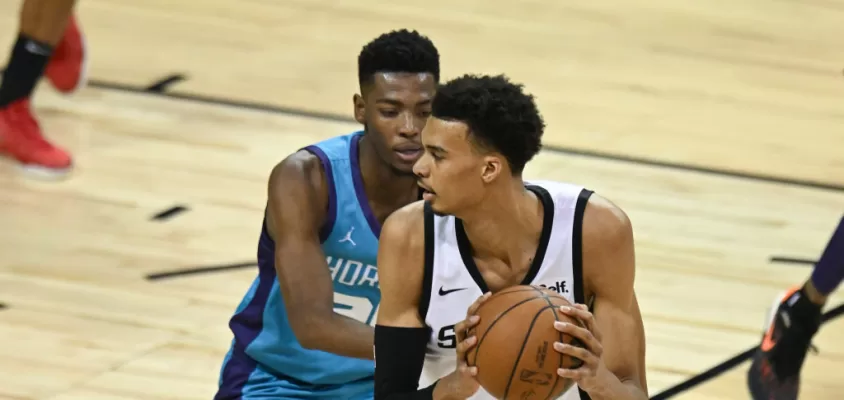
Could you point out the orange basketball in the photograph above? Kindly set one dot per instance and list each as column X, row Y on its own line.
column 515, row 354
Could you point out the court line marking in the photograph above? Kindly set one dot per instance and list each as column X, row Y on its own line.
column 297, row 112
column 791, row 260
column 165, row 83
column 728, row 364
column 169, row 213
column 199, row 270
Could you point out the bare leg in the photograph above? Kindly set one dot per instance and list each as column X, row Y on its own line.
column 45, row 20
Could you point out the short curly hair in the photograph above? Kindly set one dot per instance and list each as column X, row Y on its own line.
column 398, row 51
column 499, row 114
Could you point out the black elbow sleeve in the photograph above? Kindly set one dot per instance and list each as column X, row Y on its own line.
column 399, row 357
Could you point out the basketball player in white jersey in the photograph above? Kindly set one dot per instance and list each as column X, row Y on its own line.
column 480, row 229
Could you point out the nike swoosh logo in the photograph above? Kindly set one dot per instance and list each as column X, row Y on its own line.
column 445, row 292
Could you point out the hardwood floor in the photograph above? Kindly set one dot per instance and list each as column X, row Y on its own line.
column 753, row 87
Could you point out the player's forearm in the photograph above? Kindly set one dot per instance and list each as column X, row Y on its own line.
column 400, row 355
column 340, row 335
column 612, row 388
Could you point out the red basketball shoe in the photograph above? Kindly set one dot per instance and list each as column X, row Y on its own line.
column 21, row 139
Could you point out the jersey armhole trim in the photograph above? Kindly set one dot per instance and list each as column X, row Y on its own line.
column 331, row 213
column 577, row 245
column 428, row 273
column 577, row 258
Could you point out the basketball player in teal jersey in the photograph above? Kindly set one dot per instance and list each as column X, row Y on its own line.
column 303, row 330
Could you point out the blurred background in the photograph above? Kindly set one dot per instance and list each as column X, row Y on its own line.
column 718, row 126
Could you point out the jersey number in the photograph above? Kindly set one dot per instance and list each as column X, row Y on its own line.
column 446, row 339
column 357, row 308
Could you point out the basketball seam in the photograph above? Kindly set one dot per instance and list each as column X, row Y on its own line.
column 560, row 334
column 524, row 343
column 481, row 340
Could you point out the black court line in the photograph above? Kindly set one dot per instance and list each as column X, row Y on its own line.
column 224, row 102
column 169, row 213
column 791, row 260
column 297, row 112
column 199, row 270
column 698, row 169
column 728, row 364
column 164, row 83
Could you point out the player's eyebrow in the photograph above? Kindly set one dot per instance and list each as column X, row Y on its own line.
column 390, row 102
column 435, row 149
column 397, row 103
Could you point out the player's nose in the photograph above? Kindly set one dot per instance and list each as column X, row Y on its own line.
column 410, row 126
column 420, row 168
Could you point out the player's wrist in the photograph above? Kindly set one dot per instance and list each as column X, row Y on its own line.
column 440, row 392
column 605, row 385
column 444, row 388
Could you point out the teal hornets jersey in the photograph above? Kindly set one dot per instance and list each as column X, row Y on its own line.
column 265, row 348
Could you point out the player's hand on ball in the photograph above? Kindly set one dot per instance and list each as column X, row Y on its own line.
column 586, row 375
column 461, row 384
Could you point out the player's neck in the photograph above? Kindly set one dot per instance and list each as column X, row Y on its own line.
column 504, row 223
column 382, row 183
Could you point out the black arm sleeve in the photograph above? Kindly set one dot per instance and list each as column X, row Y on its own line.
column 399, row 357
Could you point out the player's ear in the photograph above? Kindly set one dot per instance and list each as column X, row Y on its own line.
column 491, row 168
column 359, row 109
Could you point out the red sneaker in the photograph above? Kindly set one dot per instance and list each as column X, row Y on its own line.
column 21, row 139
column 67, row 69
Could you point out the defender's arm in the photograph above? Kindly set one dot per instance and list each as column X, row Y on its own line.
column 296, row 211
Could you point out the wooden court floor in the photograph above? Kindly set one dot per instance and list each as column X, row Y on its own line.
column 644, row 91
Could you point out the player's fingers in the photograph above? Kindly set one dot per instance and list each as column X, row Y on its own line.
column 462, row 327
column 573, row 374
column 589, row 359
column 467, row 370
column 477, row 304
column 583, row 334
column 580, row 313
column 464, row 345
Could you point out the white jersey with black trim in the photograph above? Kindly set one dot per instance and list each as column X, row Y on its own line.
column 452, row 281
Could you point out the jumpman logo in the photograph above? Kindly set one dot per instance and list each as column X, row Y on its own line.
column 348, row 237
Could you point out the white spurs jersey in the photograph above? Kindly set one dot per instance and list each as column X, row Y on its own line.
column 452, row 281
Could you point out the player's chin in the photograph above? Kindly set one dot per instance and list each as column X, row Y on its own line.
column 403, row 168
column 436, row 206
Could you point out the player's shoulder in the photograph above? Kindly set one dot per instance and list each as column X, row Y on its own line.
column 405, row 227
column 301, row 168
column 605, row 223
column 409, row 218
column 608, row 249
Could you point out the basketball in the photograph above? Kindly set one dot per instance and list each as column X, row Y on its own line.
column 514, row 353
